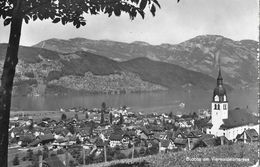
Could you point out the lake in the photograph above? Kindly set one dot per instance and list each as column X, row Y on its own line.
column 145, row 102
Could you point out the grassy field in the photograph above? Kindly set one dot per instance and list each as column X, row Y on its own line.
column 236, row 155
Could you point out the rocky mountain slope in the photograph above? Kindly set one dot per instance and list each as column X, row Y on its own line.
column 41, row 72
column 202, row 54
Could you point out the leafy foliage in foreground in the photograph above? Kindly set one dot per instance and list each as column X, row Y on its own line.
column 71, row 11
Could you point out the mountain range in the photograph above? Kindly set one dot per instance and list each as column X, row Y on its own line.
column 81, row 65
column 202, row 54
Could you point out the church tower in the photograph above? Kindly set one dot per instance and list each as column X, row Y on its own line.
column 219, row 106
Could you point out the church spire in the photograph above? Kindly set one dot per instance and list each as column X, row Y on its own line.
column 220, row 90
column 220, row 79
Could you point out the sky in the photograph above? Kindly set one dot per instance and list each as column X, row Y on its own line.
column 173, row 23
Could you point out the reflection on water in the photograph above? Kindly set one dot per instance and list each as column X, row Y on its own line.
column 193, row 100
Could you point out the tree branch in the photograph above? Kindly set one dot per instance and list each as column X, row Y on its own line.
column 35, row 8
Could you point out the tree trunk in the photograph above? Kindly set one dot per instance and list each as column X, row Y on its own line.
column 10, row 63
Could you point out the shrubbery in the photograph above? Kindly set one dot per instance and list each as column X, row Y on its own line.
column 16, row 160
column 53, row 75
column 29, row 74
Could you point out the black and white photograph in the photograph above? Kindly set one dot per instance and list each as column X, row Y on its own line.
column 129, row 83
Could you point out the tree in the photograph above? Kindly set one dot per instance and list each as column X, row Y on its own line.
column 102, row 118
column 45, row 153
column 76, row 116
column 111, row 118
column 16, row 160
column 92, row 126
column 170, row 115
column 78, row 140
column 124, row 107
column 63, row 117
column 195, row 115
column 72, row 164
column 86, row 116
column 30, row 127
column 103, row 107
column 142, row 151
column 121, row 120
column 14, row 12
column 30, row 154
column 71, row 129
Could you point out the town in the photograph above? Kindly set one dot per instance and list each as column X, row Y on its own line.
column 105, row 134
column 81, row 136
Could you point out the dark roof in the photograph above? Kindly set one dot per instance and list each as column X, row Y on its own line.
column 18, row 130
column 205, row 122
column 26, row 137
column 180, row 141
column 159, row 134
column 210, row 141
column 184, row 133
column 35, row 142
column 61, row 140
column 250, row 134
column 155, row 128
column 46, row 137
column 195, row 134
column 219, row 90
column 100, row 143
column 85, row 131
column 225, row 140
column 207, row 136
column 116, row 136
column 169, row 134
column 146, row 131
column 130, row 134
column 238, row 117
column 165, row 143
column 196, row 142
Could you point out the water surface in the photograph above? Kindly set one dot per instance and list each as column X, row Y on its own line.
column 141, row 101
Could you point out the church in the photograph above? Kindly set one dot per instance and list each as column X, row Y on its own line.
column 225, row 122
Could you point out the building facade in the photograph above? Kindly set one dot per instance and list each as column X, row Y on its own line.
column 225, row 122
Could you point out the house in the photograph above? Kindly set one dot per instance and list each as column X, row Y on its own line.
column 160, row 135
column 210, row 142
column 115, row 138
column 166, row 145
column 181, row 133
column 46, row 138
column 152, row 142
column 144, row 133
column 25, row 139
column 35, row 143
column 43, row 124
column 249, row 135
column 203, row 124
column 180, row 142
column 195, row 134
column 127, row 138
column 155, row 128
column 100, row 143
